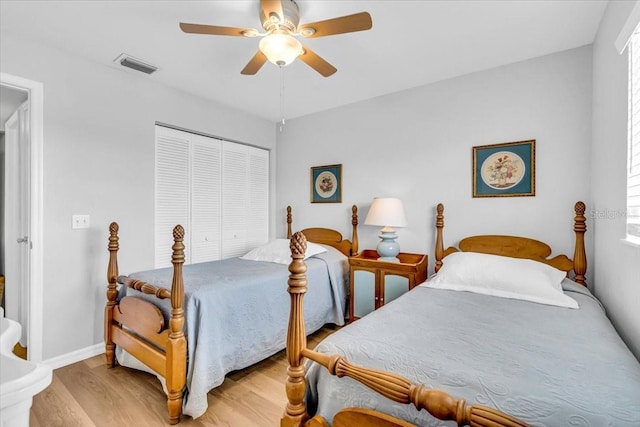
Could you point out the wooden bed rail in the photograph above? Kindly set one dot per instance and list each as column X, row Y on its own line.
column 144, row 287
column 174, row 349
column 438, row 403
column 520, row 247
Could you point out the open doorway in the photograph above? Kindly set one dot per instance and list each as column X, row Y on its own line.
column 27, row 118
column 14, row 215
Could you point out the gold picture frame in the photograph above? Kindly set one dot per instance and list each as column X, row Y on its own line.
column 505, row 170
column 326, row 184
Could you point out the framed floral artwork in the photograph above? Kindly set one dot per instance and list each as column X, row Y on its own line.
column 505, row 170
column 326, row 184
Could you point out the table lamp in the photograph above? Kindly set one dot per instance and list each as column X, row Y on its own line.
column 387, row 212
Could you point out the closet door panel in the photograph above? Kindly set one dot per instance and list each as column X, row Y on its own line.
column 235, row 167
column 258, row 213
column 172, row 191
column 206, row 194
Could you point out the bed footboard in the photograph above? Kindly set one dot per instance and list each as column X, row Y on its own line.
column 138, row 326
column 395, row 387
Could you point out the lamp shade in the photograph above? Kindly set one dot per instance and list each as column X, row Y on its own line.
column 387, row 212
column 280, row 48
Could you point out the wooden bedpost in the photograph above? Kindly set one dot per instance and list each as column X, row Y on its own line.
column 112, row 293
column 296, row 411
column 354, row 231
column 289, row 221
column 177, row 343
column 439, row 242
column 580, row 255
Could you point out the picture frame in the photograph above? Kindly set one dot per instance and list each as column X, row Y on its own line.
column 326, row 184
column 505, row 170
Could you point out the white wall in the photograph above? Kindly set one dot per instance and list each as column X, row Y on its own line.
column 417, row 145
column 98, row 160
column 617, row 266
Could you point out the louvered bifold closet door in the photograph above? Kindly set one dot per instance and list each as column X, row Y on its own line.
column 633, row 167
column 206, row 178
column 217, row 190
column 235, row 167
column 258, row 180
column 172, row 191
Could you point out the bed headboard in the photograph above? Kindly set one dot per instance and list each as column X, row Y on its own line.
column 327, row 236
column 520, row 247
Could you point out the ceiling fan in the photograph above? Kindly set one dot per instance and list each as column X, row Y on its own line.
column 281, row 22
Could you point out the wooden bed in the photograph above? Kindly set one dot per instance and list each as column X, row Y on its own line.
column 139, row 327
column 439, row 404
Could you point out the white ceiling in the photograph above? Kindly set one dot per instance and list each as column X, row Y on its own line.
column 412, row 43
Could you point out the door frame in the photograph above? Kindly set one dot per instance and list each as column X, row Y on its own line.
column 36, row 226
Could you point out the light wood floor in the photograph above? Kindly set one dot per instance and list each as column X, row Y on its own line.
column 88, row 394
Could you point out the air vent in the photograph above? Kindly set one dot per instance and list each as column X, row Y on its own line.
column 135, row 64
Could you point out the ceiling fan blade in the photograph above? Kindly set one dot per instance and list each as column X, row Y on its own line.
column 344, row 24
column 310, row 58
column 271, row 7
column 255, row 64
column 215, row 30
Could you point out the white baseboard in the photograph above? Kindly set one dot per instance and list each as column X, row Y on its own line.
column 75, row 356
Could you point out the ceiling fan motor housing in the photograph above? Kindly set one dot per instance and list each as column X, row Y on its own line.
column 291, row 17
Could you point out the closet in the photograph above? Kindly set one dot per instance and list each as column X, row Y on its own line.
column 217, row 190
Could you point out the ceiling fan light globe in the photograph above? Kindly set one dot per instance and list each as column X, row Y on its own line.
column 280, row 49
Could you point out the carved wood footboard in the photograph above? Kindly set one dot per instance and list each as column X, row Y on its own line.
column 438, row 403
column 138, row 326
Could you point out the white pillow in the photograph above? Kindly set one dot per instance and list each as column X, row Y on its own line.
column 278, row 251
column 502, row 276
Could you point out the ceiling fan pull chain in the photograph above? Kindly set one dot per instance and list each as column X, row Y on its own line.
column 281, row 97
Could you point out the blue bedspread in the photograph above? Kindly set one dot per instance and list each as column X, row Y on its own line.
column 237, row 314
column 548, row 366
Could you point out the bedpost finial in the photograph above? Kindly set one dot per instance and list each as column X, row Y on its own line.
column 178, row 233
column 580, row 221
column 440, row 216
column 114, row 227
column 113, row 240
column 298, row 244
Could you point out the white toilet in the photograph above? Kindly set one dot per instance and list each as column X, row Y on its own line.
column 20, row 380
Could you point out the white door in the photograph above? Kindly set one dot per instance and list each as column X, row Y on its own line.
column 17, row 218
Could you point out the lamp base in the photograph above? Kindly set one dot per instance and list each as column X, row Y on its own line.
column 388, row 248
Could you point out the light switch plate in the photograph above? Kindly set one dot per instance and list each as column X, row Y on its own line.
column 80, row 221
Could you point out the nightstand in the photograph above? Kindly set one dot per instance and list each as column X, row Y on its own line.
column 374, row 283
